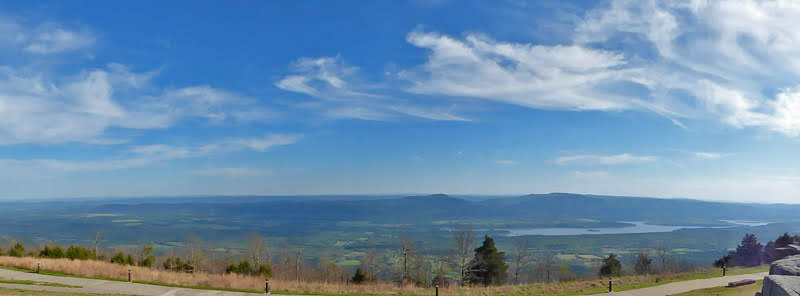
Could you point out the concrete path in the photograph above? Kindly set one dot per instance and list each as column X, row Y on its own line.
column 686, row 286
column 92, row 286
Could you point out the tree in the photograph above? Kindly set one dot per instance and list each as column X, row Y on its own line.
column 488, row 267
column 257, row 250
column 546, row 267
column 18, row 250
column 643, row 264
column 52, row 252
column 611, row 266
column 464, row 239
column 724, row 261
column 146, row 257
column 359, row 277
column 80, row 253
column 370, row 263
column 749, row 252
column 97, row 235
column 520, row 255
column 121, row 258
column 772, row 250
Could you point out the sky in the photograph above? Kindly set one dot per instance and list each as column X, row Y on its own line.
column 689, row 99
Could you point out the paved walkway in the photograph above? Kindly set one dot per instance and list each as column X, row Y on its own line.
column 686, row 286
column 93, row 286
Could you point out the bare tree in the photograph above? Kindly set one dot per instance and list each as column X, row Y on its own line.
column 662, row 253
column 97, row 235
column 257, row 250
column 370, row 262
column 546, row 267
column 465, row 242
column 520, row 255
column 195, row 254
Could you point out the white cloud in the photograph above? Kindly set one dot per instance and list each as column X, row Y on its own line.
column 231, row 172
column 47, row 38
column 344, row 95
column 711, row 155
column 729, row 56
column 143, row 155
column 590, row 174
column 561, row 77
column 52, row 38
column 37, row 109
column 592, row 159
column 505, row 162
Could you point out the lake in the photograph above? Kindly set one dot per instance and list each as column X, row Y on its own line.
column 637, row 227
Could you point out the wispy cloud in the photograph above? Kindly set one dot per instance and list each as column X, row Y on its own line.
column 34, row 109
column 45, row 38
column 711, row 155
column 231, row 172
column 144, row 155
column 590, row 174
column 592, row 159
column 506, row 162
column 52, row 38
column 344, row 94
column 749, row 51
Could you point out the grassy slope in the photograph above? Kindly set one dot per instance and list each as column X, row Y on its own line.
column 748, row 290
column 34, row 283
column 18, row 292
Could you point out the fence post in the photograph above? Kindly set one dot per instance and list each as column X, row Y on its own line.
column 37, row 267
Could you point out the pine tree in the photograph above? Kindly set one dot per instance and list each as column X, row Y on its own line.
column 489, row 266
column 611, row 266
column 359, row 277
column 749, row 252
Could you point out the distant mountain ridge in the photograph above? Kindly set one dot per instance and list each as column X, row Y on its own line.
column 427, row 208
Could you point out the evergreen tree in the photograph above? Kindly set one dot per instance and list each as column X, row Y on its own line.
column 749, row 252
column 611, row 266
column 725, row 261
column 489, row 266
column 359, row 277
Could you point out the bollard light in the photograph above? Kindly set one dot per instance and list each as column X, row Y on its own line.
column 37, row 267
column 437, row 290
column 266, row 287
column 129, row 275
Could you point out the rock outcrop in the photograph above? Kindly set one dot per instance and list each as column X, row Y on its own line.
column 786, row 266
column 783, row 278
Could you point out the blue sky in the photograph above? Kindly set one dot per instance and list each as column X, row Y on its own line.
column 649, row 98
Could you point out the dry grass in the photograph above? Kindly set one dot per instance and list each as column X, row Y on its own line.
column 232, row 281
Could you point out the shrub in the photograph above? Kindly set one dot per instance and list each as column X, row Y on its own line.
column 175, row 263
column 52, row 252
column 359, row 277
column 80, row 253
column 17, row 251
column 244, row 267
column 121, row 258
